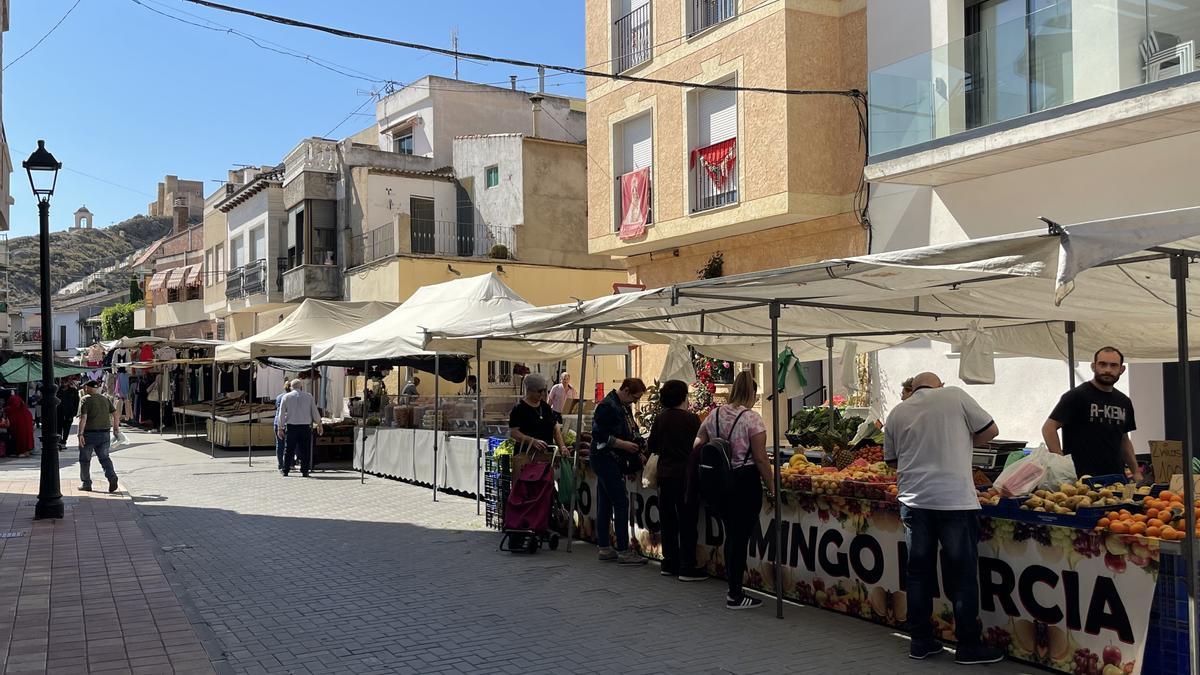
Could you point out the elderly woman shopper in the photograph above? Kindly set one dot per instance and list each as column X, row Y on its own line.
column 616, row 451
column 672, row 438
column 747, row 434
column 562, row 394
column 532, row 422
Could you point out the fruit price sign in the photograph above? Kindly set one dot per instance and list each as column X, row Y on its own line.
column 1071, row 600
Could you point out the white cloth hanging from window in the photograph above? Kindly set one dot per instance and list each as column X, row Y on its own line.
column 976, row 364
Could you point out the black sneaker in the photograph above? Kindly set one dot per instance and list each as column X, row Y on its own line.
column 112, row 485
column 745, row 602
column 970, row 655
column 666, row 572
column 923, row 649
column 697, row 574
column 85, row 488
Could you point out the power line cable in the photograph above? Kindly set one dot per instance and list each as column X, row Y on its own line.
column 849, row 93
column 347, row 117
column 43, row 38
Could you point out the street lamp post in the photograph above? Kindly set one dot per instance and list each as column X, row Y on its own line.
column 43, row 176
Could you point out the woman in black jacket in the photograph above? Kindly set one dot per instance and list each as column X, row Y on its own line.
column 672, row 438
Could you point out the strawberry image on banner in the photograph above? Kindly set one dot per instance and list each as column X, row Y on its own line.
column 635, row 203
column 717, row 159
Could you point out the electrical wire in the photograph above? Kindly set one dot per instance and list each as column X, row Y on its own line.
column 848, row 93
column 347, row 117
column 43, row 38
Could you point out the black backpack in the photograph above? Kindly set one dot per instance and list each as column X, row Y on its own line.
column 715, row 469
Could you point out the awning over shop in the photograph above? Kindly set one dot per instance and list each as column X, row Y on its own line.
column 177, row 277
column 158, row 281
column 193, row 274
column 294, row 336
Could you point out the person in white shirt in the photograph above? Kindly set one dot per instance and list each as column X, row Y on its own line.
column 929, row 438
column 297, row 414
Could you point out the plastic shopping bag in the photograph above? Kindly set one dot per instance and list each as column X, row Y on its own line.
column 650, row 472
column 1059, row 469
column 1022, row 476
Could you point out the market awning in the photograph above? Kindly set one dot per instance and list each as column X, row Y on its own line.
column 1013, row 284
column 195, row 274
column 23, row 369
column 294, row 336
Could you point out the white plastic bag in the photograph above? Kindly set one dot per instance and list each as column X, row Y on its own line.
column 1059, row 469
column 1022, row 476
column 976, row 363
column 650, row 472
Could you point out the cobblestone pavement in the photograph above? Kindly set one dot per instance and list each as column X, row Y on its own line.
column 324, row 575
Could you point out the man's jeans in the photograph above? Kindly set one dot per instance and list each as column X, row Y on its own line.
column 97, row 442
column 299, row 442
column 958, row 534
column 279, row 448
column 612, row 500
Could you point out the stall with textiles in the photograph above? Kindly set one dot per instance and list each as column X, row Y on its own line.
column 283, row 351
column 1062, row 587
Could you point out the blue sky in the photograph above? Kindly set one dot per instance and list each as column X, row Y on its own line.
column 125, row 95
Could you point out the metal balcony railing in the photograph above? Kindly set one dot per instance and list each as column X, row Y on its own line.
column 632, row 39
column 708, row 193
column 445, row 238
column 708, row 13
column 373, row 245
column 248, row 280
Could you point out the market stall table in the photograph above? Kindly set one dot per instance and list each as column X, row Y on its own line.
column 407, row 454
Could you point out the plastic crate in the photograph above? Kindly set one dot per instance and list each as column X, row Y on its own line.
column 1167, row 642
column 496, row 485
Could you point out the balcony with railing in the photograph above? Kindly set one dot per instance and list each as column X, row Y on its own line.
column 462, row 240
column 633, row 39
column 373, row 245
column 250, row 279
column 1065, row 58
column 321, row 281
column 707, row 13
column 312, row 154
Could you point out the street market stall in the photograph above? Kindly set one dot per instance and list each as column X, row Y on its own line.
column 1018, row 287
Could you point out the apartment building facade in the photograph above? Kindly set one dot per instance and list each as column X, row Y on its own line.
column 684, row 178
column 987, row 115
column 174, row 306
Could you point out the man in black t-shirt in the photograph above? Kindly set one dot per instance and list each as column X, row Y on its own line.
column 1096, row 420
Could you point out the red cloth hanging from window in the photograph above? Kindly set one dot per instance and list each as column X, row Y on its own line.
column 717, row 159
column 635, row 203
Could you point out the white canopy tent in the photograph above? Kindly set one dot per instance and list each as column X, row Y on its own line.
column 1122, row 280
column 312, row 322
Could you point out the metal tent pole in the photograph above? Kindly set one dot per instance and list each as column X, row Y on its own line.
column 775, row 393
column 1070, row 327
column 1179, row 272
column 212, row 429
column 362, row 410
column 162, row 380
column 437, row 408
column 587, row 336
column 250, row 417
column 829, row 377
column 478, row 424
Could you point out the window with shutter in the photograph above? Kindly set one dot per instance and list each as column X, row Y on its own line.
column 717, row 115
column 634, row 139
column 713, row 159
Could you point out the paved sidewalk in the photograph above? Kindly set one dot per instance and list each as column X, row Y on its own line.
column 324, row 575
column 85, row 594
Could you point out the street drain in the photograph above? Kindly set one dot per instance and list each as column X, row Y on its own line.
column 12, row 535
column 176, row 547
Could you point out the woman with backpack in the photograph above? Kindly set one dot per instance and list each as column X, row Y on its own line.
column 749, row 468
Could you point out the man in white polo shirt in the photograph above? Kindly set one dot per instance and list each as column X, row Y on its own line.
column 297, row 414
column 929, row 439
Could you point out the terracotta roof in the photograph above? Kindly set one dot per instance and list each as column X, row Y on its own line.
column 444, row 173
column 262, row 181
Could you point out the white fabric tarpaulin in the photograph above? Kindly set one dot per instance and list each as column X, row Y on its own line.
column 313, row 320
column 1098, row 275
column 401, row 333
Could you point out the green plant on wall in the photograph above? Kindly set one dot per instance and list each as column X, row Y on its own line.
column 715, row 267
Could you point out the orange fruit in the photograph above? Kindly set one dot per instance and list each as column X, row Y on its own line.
column 1119, row 527
column 1153, row 531
column 1103, row 522
column 1151, row 512
column 1137, row 528
column 1139, row 518
column 1155, row 522
column 1113, row 515
column 1126, row 513
column 1167, row 532
column 1166, row 494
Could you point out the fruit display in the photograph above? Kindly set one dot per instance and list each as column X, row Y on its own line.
column 1162, row 517
column 869, row 453
column 858, row 479
column 1069, row 497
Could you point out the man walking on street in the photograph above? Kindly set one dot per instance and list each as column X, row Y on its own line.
column 297, row 414
column 1096, row 420
column 97, row 419
column 929, row 438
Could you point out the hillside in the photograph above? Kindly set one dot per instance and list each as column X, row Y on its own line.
column 75, row 254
